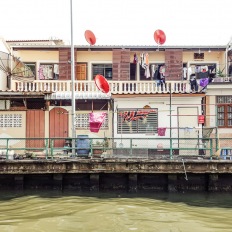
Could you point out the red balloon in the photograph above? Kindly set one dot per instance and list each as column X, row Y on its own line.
column 90, row 37
column 159, row 37
column 101, row 83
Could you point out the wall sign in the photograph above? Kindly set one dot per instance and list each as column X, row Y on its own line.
column 201, row 119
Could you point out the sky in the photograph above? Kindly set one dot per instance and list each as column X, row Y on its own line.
column 119, row 22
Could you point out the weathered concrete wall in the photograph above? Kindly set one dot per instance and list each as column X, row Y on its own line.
column 115, row 166
column 126, row 176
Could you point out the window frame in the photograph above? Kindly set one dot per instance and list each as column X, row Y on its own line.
column 48, row 64
column 82, row 121
column 104, row 71
column 138, row 123
column 31, row 64
column 225, row 103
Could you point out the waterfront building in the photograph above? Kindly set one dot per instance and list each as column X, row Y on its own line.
column 178, row 85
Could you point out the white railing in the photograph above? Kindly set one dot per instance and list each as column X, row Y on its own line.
column 116, row 87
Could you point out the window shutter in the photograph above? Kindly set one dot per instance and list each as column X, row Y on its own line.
column 64, row 64
column 121, row 64
column 173, row 64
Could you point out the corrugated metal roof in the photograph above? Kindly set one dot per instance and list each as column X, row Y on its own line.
column 109, row 47
column 78, row 95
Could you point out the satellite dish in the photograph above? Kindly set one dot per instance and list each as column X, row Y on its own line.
column 159, row 37
column 90, row 37
column 101, row 83
column 14, row 69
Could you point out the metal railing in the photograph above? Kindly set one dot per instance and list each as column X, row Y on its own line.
column 118, row 148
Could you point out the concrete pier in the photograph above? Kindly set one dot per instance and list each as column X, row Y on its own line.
column 118, row 175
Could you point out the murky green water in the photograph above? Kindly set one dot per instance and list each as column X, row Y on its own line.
column 52, row 212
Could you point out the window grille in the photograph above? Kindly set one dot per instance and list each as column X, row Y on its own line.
column 82, row 122
column 148, row 125
column 10, row 120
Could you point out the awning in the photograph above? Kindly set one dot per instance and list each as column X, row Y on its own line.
column 78, row 95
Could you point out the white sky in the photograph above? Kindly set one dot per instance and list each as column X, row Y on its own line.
column 119, row 22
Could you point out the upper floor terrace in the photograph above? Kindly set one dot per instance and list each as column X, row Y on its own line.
column 116, row 87
column 51, row 67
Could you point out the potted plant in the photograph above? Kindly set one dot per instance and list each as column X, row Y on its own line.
column 99, row 147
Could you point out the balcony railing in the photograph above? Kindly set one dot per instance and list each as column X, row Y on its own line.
column 116, row 87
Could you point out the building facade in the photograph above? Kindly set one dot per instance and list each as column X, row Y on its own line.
column 166, row 88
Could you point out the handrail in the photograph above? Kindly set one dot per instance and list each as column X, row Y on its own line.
column 117, row 147
column 116, row 87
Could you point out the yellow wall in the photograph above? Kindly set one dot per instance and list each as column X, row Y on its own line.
column 99, row 56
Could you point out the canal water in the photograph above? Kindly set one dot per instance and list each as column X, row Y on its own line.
column 49, row 211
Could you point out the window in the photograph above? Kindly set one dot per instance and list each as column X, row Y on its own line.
column 31, row 66
column 146, row 125
column 224, row 111
column 10, row 120
column 48, row 72
column 82, row 122
column 103, row 69
column 36, row 103
column 199, row 56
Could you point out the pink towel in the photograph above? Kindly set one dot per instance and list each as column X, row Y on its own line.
column 161, row 131
column 96, row 120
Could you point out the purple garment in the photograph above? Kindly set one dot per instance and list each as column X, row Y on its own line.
column 204, row 82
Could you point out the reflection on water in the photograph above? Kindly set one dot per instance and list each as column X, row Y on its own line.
column 51, row 212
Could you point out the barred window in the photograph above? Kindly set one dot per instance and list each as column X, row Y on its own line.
column 224, row 111
column 10, row 120
column 82, row 121
column 142, row 125
column 103, row 69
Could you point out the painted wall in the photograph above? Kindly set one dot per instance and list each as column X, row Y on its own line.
column 91, row 57
column 13, row 131
column 212, row 92
column 163, row 105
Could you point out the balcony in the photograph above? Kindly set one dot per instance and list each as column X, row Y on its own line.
column 116, row 87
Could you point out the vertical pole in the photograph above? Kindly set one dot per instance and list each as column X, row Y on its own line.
column 170, row 109
column 216, row 124
column 73, row 82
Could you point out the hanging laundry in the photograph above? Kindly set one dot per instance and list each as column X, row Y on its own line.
column 147, row 72
column 162, row 70
column 161, row 131
column 135, row 61
column 204, row 82
column 147, row 59
column 95, row 120
column 184, row 73
column 41, row 75
column 56, row 71
column 142, row 60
